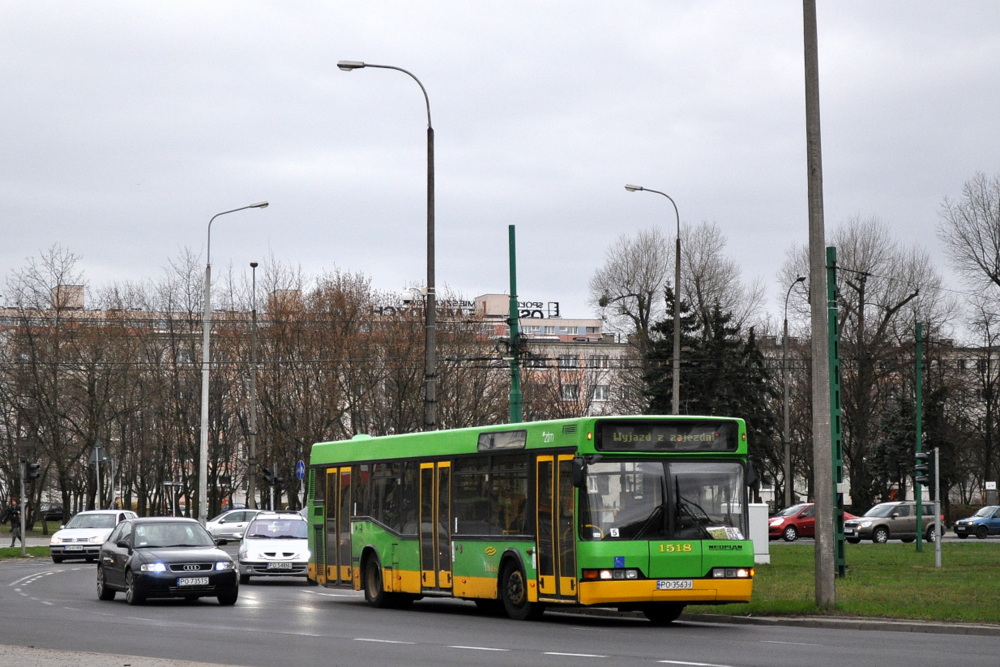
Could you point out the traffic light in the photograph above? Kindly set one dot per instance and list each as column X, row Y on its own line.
column 271, row 477
column 922, row 471
column 32, row 471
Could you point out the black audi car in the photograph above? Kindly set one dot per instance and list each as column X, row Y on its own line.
column 165, row 557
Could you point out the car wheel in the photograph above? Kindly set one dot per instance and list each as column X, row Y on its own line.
column 244, row 578
column 880, row 535
column 854, row 540
column 931, row 535
column 229, row 599
column 132, row 594
column 963, row 536
column 982, row 532
column 57, row 559
column 103, row 592
column 514, row 593
column 663, row 614
column 790, row 534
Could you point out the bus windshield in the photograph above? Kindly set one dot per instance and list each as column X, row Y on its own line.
column 661, row 500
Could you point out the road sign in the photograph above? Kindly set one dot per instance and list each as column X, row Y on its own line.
column 300, row 469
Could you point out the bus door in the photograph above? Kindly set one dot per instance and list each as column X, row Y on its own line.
column 435, row 515
column 556, row 523
column 337, row 566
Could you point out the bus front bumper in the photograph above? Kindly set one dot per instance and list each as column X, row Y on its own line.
column 708, row 591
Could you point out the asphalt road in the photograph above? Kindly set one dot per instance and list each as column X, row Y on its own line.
column 54, row 609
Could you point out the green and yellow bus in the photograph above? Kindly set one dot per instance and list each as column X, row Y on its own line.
column 643, row 513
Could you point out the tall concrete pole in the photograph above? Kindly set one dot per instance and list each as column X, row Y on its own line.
column 821, row 425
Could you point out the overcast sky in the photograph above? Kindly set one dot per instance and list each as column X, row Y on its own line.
column 127, row 125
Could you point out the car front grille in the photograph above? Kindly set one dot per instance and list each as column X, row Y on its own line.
column 191, row 568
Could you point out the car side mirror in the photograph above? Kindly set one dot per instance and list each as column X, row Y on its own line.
column 122, row 544
column 221, row 540
column 238, row 536
column 895, row 515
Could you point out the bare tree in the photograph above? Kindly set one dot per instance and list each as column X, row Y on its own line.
column 710, row 278
column 970, row 231
column 628, row 289
column 884, row 288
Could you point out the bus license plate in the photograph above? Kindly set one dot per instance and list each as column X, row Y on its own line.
column 279, row 566
column 192, row 581
column 674, row 584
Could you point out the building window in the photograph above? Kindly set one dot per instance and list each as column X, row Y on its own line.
column 600, row 361
column 570, row 392
column 600, row 392
column 568, row 361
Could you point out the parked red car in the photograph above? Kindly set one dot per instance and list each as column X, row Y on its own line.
column 794, row 522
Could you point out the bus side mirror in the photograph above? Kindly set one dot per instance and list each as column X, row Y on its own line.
column 751, row 474
column 579, row 474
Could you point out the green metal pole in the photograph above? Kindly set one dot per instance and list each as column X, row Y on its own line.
column 516, row 415
column 839, row 561
column 918, row 491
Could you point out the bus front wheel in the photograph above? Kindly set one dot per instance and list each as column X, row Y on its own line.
column 514, row 594
column 663, row 614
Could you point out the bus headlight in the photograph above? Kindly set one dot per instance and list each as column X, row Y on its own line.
column 610, row 574
column 732, row 573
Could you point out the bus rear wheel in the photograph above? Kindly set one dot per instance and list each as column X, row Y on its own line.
column 663, row 614
column 514, row 594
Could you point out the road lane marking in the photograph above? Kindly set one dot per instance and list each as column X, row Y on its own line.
column 574, row 655
column 481, row 648
column 691, row 664
column 381, row 641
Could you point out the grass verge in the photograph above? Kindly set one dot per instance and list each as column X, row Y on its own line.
column 882, row 581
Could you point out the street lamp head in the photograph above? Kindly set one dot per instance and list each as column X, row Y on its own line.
column 260, row 204
column 799, row 279
column 348, row 65
column 634, row 188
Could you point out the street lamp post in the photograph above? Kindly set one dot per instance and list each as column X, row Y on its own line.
column 677, row 299
column 206, row 356
column 252, row 454
column 430, row 316
column 784, row 403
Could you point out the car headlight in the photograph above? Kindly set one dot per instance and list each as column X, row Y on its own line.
column 777, row 522
column 152, row 567
column 224, row 566
column 56, row 539
column 866, row 524
column 97, row 539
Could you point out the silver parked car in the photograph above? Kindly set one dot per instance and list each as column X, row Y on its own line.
column 231, row 524
column 891, row 521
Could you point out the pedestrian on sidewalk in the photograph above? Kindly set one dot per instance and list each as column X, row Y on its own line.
column 12, row 513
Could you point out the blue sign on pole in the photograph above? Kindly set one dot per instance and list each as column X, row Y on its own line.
column 300, row 469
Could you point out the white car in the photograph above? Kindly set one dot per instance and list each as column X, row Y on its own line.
column 83, row 535
column 275, row 544
column 231, row 524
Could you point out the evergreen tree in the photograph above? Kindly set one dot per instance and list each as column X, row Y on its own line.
column 723, row 373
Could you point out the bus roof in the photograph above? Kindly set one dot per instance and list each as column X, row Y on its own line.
column 577, row 433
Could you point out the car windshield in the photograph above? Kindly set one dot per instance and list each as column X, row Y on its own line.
column 185, row 534
column 791, row 511
column 882, row 510
column 653, row 500
column 92, row 521
column 986, row 511
column 276, row 529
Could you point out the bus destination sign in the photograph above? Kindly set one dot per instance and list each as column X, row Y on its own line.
column 679, row 436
